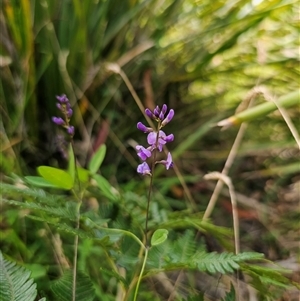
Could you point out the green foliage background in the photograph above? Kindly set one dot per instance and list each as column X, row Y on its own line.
column 201, row 58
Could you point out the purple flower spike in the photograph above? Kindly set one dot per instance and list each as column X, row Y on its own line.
column 144, row 169
column 149, row 113
column 143, row 128
column 58, row 121
column 156, row 139
column 168, row 118
column 143, row 153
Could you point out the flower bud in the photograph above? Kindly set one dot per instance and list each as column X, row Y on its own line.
column 168, row 118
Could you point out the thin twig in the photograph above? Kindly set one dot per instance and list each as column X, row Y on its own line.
column 228, row 164
column 288, row 122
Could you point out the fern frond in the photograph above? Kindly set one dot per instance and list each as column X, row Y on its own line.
column 222, row 263
column 158, row 256
column 62, row 287
column 184, row 247
column 68, row 212
column 263, row 277
column 15, row 284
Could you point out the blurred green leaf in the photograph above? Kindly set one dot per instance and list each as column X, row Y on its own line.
column 97, row 159
column 39, row 182
column 58, row 177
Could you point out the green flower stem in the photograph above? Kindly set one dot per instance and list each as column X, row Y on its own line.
column 141, row 274
column 263, row 109
column 128, row 233
column 79, row 197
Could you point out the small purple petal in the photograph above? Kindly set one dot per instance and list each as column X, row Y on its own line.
column 143, row 153
column 69, row 113
column 71, row 130
column 58, row 120
column 143, row 128
column 151, row 138
column 164, row 109
column 168, row 118
column 161, row 115
column 149, row 113
column 62, row 99
column 168, row 163
column 156, row 111
column 59, row 106
column 169, row 138
column 144, row 169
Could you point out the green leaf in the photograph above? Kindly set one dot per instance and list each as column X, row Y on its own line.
column 159, row 236
column 39, row 182
column 97, row 159
column 62, row 287
column 83, row 174
column 15, row 284
column 59, row 178
column 285, row 101
column 105, row 187
column 222, row 263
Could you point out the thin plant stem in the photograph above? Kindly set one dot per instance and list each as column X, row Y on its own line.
column 248, row 101
column 228, row 164
column 76, row 239
column 226, row 180
column 288, row 122
column 141, row 274
column 128, row 233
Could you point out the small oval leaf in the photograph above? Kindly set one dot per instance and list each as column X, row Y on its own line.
column 39, row 182
column 57, row 177
column 159, row 236
column 97, row 159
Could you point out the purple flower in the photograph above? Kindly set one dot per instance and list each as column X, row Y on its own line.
column 69, row 113
column 143, row 153
column 151, row 139
column 149, row 113
column 169, row 138
column 144, row 169
column 62, row 99
column 164, row 109
column 168, row 118
column 156, row 111
column 58, row 120
column 168, row 163
column 71, row 130
column 65, row 108
column 143, row 128
column 162, row 139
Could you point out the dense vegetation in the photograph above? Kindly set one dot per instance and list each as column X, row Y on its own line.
column 223, row 223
